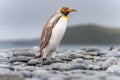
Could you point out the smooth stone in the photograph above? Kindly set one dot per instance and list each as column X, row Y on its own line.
column 50, row 61
column 91, row 49
column 73, row 77
column 24, row 53
column 113, row 78
column 5, row 55
column 33, row 62
column 11, row 76
column 74, row 56
column 19, row 59
column 75, row 66
column 117, row 55
column 102, row 53
column 63, row 57
column 90, row 66
column 91, row 53
column 109, row 62
column 98, row 58
column 79, row 51
column 27, row 68
column 114, row 69
column 33, row 79
column 89, row 78
column 78, row 60
column 19, row 63
column 36, row 48
column 96, row 67
column 61, row 66
column 4, row 66
column 26, row 73
column 42, row 74
column 88, row 57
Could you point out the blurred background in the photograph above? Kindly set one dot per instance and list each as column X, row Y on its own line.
column 96, row 22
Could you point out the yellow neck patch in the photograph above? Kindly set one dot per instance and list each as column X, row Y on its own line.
column 64, row 17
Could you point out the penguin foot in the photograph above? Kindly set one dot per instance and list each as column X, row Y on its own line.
column 44, row 59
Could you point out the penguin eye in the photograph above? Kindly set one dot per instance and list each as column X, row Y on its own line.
column 65, row 9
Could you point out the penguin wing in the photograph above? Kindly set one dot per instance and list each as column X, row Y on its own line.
column 47, row 30
column 46, row 37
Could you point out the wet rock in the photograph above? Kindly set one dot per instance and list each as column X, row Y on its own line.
column 78, row 60
column 109, row 62
column 100, row 53
column 50, row 61
column 91, row 49
column 24, row 53
column 26, row 73
column 75, row 66
column 5, row 55
column 19, row 63
column 36, row 48
column 114, row 69
column 19, row 59
column 33, row 62
column 61, row 66
column 91, row 53
column 11, row 76
column 73, row 56
column 42, row 74
column 88, row 57
column 96, row 67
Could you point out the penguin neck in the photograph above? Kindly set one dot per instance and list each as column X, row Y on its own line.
column 64, row 16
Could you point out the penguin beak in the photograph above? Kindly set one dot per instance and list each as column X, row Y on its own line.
column 72, row 10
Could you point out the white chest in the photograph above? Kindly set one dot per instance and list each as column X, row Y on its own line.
column 58, row 33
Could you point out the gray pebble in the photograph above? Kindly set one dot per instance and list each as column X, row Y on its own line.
column 19, row 59
column 78, row 60
column 77, row 66
column 24, row 53
column 73, row 56
column 91, row 49
column 61, row 66
column 109, row 62
column 11, row 76
column 33, row 62
column 114, row 69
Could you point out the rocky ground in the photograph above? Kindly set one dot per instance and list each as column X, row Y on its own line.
column 83, row 64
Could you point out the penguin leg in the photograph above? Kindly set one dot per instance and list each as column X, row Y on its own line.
column 52, row 55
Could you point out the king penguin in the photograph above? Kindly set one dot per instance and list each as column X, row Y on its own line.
column 53, row 32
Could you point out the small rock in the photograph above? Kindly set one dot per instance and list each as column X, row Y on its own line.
column 19, row 59
column 24, row 53
column 19, row 63
column 78, row 60
column 78, row 66
column 36, row 48
column 114, row 69
column 91, row 53
column 96, row 67
column 33, row 62
column 91, row 49
column 61, row 66
column 5, row 55
column 48, row 62
column 11, row 76
column 88, row 57
column 109, row 62
column 73, row 56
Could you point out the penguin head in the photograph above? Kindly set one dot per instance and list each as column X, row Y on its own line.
column 65, row 10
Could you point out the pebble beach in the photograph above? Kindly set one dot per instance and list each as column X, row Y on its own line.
column 82, row 64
